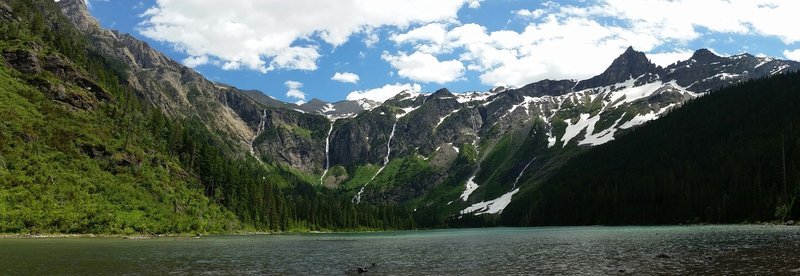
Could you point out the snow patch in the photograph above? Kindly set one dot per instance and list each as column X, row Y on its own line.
column 632, row 93
column 473, row 96
column 328, row 108
column 441, row 120
column 726, row 76
column 763, row 61
column 574, row 129
column 601, row 137
column 407, row 111
column 778, row 69
column 643, row 118
column 454, row 147
column 494, row 206
column 471, row 186
column 526, row 102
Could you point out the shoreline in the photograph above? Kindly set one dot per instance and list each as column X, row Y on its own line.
column 290, row 233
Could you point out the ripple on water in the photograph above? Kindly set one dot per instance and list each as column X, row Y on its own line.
column 547, row 250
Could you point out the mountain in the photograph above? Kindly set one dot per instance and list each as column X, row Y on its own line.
column 77, row 153
column 340, row 109
column 628, row 65
column 416, row 160
column 728, row 157
column 424, row 150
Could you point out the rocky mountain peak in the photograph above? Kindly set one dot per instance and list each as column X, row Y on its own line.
column 316, row 101
column 78, row 12
column 630, row 64
column 442, row 93
column 705, row 56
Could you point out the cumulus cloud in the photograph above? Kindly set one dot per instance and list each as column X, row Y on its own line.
column 433, row 35
column 345, row 77
column 424, row 67
column 793, row 54
column 294, row 91
column 666, row 58
column 578, row 42
column 681, row 19
column 530, row 13
column 474, row 4
column 264, row 35
column 384, row 93
column 193, row 62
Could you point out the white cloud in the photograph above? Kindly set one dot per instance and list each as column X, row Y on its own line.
column 428, row 39
column 793, row 54
column 294, row 91
column 542, row 51
column 262, row 35
column 345, row 77
column 193, row 62
column 666, row 58
column 384, row 93
column 530, row 13
column 425, row 67
column 301, row 58
column 680, row 19
column 371, row 37
column 474, row 4
column 580, row 42
column 293, row 84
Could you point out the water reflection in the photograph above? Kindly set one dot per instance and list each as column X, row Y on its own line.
column 551, row 250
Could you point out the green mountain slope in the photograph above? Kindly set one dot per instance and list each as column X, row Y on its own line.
column 76, row 155
column 82, row 152
column 730, row 156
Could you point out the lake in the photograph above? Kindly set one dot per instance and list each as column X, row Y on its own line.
column 750, row 249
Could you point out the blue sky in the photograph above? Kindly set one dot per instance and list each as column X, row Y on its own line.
column 291, row 49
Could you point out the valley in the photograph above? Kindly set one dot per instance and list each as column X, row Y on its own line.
column 104, row 134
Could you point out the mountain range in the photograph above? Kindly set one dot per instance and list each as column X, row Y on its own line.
column 447, row 158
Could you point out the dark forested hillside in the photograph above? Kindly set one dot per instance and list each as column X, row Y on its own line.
column 730, row 156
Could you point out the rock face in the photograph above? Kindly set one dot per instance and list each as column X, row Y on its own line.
column 180, row 92
column 81, row 91
column 427, row 145
column 631, row 64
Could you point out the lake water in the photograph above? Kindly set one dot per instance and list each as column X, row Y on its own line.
column 548, row 250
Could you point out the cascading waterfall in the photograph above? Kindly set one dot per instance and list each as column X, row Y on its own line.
column 259, row 130
column 513, row 186
column 357, row 197
column 327, row 150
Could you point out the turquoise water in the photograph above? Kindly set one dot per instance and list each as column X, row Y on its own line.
column 548, row 250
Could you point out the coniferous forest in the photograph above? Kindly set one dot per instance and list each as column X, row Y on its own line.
column 730, row 156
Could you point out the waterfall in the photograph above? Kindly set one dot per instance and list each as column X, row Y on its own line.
column 357, row 197
column 327, row 151
column 259, row 130
column 389, row 145
column 520, row 173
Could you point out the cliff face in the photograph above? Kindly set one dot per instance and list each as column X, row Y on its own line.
column 180, row 92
